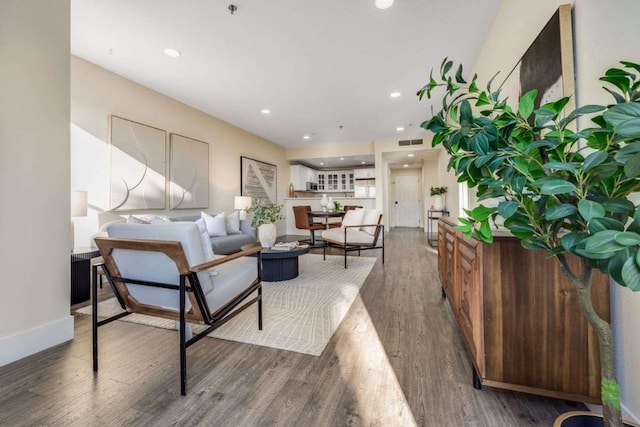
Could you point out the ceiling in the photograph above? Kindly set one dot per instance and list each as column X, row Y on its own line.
column 325, row 69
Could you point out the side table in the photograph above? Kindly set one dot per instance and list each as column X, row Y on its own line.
column 80, row 273
column 432, row 236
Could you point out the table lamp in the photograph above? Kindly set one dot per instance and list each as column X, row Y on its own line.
column 242, row 203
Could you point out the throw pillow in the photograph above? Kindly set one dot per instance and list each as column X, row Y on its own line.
column 216, row 225
column 353, row 217
column 233, row 223
column 159, row 220
column 132, row 219
column 370, row 217
column 205, row 241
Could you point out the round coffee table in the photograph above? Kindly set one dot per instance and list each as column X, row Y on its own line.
column 281, row 265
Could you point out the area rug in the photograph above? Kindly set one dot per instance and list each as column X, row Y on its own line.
column 299, row 315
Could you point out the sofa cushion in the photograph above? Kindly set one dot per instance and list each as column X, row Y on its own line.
column 230, row 244
column 233, row 223
column 216, row 224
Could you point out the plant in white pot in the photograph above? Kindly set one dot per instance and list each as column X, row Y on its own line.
column 560, row 191
column 438, row 197
column 264, row 219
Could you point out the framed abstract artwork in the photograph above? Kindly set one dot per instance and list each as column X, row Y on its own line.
column 547, row 65
column 138, row 162
column 258, row 180
column 188, row 173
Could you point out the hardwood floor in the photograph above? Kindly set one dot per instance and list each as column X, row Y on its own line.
column 396, row 360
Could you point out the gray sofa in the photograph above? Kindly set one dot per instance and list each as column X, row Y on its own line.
column 221, row 245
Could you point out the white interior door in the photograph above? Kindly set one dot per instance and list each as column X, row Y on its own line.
column 407, row 204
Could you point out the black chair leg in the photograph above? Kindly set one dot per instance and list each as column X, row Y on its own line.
column 183, row 347
column 94, row 324
column 260, row 308
column 313, row 237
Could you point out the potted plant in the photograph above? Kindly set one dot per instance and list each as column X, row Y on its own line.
column 438, row 194
column 559, row 190
column 264, row 218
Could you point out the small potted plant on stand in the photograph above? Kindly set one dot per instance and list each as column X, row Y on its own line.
column 560, row 191
column 438, row 198
column 264, row 218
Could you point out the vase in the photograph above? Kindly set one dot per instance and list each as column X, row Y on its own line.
column 324, row 202
column 330, row 205
column 291, row 190
column 267, row 235
column 438, row 203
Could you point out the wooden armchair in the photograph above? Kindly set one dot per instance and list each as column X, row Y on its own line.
column 161, row 270
column 361, row 229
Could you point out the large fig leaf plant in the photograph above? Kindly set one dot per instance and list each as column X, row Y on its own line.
column 559, row 189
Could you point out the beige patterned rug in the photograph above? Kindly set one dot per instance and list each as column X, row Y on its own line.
column 299, row 315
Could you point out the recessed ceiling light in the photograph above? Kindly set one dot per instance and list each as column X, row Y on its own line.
column 399, row 128
column 395, row 94
column 321, row 163
column 341, row 158
column 306, row 137
column 363, row 163
column 172, row 52
column 265, row 111
column 405, row 165
column 384, row 4
column 410, row 155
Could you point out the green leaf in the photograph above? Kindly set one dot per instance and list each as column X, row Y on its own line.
column 590, row 209
column 481, row 213
column 594, row 159
column 573, row 239
column 618, row 206
column 525, row 107
column 507, row 209
column 625, row 119
column 485, row 231
column 631, row 275
column 628, row 238
column 627, row 152
column 533, row 244
column 632, row 166
column 483, row 99
column 561, row 210
column 571, row 167
column 603, row 242
column 557, row 186
column 459, row 78
column 601, row 224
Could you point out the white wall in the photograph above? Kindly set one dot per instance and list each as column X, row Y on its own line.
column 34, row 177
column 604, row 33
column 97, row 93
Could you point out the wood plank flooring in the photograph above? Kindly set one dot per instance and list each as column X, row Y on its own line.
column 396, row 360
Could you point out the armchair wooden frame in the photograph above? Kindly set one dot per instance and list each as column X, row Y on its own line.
column 189, row 287
column 347, row 247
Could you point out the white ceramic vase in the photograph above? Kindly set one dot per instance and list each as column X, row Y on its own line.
column 438, row 204
column 267, row 235
column 324, row 202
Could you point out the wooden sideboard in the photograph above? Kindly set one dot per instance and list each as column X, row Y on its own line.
column 519, row 316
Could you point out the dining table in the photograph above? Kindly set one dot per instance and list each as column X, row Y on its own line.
column 325, row 215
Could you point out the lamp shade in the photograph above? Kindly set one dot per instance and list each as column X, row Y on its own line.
column 78, row 203
column 242, row 202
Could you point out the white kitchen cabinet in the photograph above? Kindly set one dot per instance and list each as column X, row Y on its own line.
column 366, row 173
column 346, row 181
column 300, row 175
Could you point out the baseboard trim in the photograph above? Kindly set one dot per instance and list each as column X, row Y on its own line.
column 25, row 343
